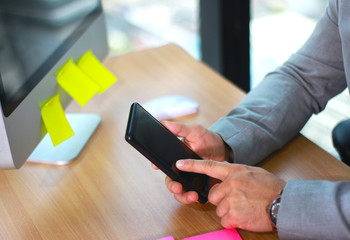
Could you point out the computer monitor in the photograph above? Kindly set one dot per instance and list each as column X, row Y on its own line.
column 36, row 38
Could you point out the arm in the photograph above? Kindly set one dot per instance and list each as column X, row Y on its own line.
column 277, row 109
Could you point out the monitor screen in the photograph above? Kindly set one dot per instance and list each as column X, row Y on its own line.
column 36, row 38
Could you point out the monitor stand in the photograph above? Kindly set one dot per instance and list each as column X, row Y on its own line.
column 83, row 125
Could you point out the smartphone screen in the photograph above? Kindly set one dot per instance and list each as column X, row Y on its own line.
column 163, row 149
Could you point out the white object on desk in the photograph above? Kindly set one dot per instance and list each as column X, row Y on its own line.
column 170, row 106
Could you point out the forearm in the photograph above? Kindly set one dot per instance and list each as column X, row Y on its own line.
column 277, row 109
column 264, row 121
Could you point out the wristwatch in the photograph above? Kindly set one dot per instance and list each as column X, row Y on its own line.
column 273, row 212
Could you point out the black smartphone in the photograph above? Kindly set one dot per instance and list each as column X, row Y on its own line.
column 160, row 146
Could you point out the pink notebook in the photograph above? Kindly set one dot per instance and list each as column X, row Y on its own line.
column 226, row 234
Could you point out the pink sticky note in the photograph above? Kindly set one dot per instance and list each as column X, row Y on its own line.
column 226, row 234
column 167, row 238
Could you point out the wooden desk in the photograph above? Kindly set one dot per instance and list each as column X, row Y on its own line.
column 111, row 191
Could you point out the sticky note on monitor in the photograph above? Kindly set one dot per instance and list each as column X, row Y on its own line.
column 75, row 82
column 226, row 234
column 89, row 64
column 55, row 120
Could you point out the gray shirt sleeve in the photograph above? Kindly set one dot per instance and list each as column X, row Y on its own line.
column 275, row 111
column 314, row 210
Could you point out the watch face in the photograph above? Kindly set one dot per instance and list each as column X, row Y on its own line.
column 274, row 210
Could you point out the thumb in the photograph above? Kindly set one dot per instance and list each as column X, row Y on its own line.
column 215, row 169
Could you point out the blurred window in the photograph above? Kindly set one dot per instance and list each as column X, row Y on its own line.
column 278, row 29
column 139, row 24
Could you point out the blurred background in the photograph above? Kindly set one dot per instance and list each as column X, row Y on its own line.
column 277, row 28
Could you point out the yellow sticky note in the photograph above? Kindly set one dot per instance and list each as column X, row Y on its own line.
column 96, row 71
column 76, row 83
column 55, row 120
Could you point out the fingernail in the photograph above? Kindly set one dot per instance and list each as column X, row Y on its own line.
column 190, row 198
column 180, row 163
column 173, row 189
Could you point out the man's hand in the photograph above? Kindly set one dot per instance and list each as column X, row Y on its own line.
column 243, row 194
column 207, row 144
